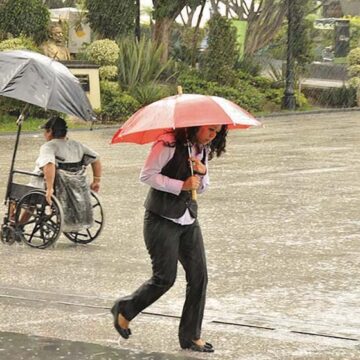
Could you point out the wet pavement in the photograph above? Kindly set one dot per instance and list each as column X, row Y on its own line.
column 30, row 347
column 282, row 232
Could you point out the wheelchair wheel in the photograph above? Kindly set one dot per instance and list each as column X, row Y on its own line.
column 7, row 234
column 88, row 235
column 38, row 224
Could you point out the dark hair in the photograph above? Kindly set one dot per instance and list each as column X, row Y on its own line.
column 217, row 146
column 57, row 125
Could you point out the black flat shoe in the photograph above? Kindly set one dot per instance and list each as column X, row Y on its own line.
column 190, row 345
column 124, row 333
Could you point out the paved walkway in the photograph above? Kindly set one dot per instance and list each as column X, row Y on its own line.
column 29, row 347
column 282, row 232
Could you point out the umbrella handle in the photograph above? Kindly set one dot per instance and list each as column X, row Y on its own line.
column 193, row 192
column 193, row 195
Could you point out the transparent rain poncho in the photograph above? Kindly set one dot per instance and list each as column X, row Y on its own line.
column 73, row 192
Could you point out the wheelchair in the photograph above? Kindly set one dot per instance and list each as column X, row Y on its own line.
column 31, row 220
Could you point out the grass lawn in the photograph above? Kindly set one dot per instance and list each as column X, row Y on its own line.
column 8, row 124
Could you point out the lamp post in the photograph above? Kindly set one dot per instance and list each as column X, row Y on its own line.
column 289, row 101
column 137, row 20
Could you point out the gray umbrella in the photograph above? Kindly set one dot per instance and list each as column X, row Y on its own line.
column 41, row 81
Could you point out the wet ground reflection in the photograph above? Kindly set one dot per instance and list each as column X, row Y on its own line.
column 15, row 346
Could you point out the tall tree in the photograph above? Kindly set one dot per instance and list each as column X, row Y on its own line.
column 264, row 18
column 165, row 12
column 220, row 56
column 112, row 18
column 25, row 17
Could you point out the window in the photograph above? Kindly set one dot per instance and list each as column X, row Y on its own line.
column 84, row 82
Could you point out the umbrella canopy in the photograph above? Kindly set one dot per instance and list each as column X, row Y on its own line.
column 184, row 110
column 41, row 81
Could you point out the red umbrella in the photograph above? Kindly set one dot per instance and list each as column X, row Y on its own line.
column 184, row 110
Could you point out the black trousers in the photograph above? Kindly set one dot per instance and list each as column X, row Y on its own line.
column 168, row 243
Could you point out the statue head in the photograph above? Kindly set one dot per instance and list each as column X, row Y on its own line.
column 57, row 34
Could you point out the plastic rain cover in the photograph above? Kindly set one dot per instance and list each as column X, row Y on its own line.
column 73, row 192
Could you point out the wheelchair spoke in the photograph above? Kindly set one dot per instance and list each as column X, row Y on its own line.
column 39, row 230
column 35, row 229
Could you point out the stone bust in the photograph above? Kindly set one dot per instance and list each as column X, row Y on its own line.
column 55, row 47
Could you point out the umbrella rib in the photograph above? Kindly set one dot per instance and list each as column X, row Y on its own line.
column 21, row 68
column 227, row 115
column 51, row 91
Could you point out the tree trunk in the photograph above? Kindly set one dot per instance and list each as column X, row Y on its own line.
column 161, row 35
column 264, row 18
column 263, row 25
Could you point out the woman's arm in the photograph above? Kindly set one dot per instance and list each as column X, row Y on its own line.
column 158, row 157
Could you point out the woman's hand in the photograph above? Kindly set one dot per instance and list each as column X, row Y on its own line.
column 198, row 166
column 191, row 183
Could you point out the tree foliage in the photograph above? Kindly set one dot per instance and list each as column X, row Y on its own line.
column 220, row 56
column 112, row 18
column 172, row 8
column 302, row 41
column 25, row 17
column 164, row 14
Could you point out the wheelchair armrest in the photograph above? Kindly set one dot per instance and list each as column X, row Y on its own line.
column 27, row 173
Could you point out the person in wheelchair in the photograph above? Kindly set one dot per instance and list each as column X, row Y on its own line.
column 62, row 161
column 63, row 153
column 58, row 197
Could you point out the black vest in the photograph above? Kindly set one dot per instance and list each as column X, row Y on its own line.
column 169, row 205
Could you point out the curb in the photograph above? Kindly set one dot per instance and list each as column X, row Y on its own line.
column 272, row 115
column 310, row 112
column 11, row 133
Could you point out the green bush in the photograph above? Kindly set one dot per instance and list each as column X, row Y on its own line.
column 354, row 71
column 148, row 93
column 25, row 17
column 108, row 72
column 9, row 106
column 218, row 61
column 248, row 65
column 354, row 31
column 182, row 43
column 103, row 52
column 109, row 90
column 355, row 82
column 245, row 95
column 354, row 57
column 116, row 105
column 19, row 43
column 332, row 97
column 119, row 108
column 140, row 62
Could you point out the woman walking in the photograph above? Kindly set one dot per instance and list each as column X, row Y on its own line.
column 171, row 230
